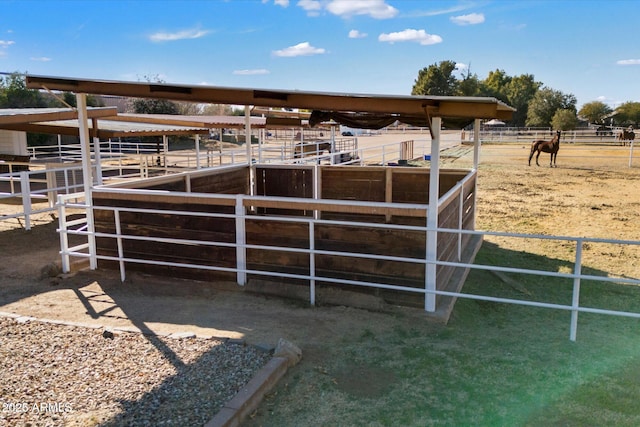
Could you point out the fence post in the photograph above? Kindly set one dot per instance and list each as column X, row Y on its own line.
column 575, row 303
column 312, row 263
column 460, row 221
column 241, row 250
column 197, row 151
column 25, row 192
column 116, row 218
column 64, row 241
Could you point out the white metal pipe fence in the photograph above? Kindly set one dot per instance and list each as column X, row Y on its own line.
column 39, row 185
column 242, row 205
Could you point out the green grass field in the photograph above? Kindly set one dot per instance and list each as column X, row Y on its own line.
column 492, row 365
column 497, row 364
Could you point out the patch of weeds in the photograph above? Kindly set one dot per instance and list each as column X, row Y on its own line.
column 367, row 334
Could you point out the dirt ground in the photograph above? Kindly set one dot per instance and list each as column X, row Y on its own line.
column 593, row 193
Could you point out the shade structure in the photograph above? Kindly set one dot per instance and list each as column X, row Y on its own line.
column 433, row 111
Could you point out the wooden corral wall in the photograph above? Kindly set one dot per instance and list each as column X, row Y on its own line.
column 225, row 180
column 376, row 184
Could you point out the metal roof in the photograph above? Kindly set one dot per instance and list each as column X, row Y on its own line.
column 64, row 121
column 26, row 115
column 105, row 129
column 209, row 122
column 407, row 106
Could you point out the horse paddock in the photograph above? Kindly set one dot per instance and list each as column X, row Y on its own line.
column 327, row 234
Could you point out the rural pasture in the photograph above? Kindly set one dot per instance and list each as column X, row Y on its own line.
column 492, row 364
column 498, row 364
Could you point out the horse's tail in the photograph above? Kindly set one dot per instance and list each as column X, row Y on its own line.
column 534, row 147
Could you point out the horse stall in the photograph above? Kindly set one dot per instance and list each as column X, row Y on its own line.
column 328, row 234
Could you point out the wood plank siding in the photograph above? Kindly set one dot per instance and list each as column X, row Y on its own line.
column 273, row 226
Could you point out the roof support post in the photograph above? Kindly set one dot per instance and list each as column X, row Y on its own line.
column 476, row 143
column 197, row 151
column 334, row 157
column 476, row 162
column 98, row 160
column 261, row 135
column 165, row 153
column 432, row 217
column 87, row 175
column 247, row 141
column 96, row 151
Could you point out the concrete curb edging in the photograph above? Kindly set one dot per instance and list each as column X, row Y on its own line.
column 250, row 396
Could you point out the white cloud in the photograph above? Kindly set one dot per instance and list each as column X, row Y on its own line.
column 410, row 35
column 255, row 72
column 355, row 34
column 180, row 35
column 470, row 19
column 301, row 49
column 312, row 7
column 40, row 59
column 283, row 3
column 461, row 66
column 4, row 46
column 628, row 62
column 377, row 9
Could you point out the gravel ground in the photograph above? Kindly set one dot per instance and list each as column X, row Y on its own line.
column 59, row 375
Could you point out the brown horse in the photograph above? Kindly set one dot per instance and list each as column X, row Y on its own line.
column 311, row 149
column 551, row 147
column 626, row 135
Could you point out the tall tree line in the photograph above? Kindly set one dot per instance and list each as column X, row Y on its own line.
column 537, row 105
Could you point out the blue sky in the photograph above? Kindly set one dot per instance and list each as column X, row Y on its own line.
column 586, row 48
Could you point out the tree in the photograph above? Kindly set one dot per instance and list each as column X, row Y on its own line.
column 564, row 120
column 154, row 106
column 495, row 85
column 188, row 108
column 469, row 85
column 544, row 105
column 92, row 100
column 628, row 114
column 436, row 79
column 519, row 92
column 595, row 112
column 217, row 110
column 16, row 95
